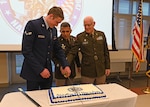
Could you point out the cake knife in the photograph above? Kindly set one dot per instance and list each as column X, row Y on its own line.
column 70, row 80
column 74, row 89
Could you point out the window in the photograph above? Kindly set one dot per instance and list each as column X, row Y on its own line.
column 146, row 9
column 125, row 15
column 19, row 60
column 124, row 7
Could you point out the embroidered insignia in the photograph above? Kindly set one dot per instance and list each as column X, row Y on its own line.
column 63, row 46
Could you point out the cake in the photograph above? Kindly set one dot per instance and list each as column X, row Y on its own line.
column 84, row 92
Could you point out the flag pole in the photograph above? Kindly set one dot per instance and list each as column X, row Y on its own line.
column 130, row 72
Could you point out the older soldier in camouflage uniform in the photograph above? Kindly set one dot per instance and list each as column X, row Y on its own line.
column 95, row 65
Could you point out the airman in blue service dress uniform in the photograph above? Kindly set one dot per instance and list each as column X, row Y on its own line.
column 67, row 42
column 95, row 62
column 39, row 41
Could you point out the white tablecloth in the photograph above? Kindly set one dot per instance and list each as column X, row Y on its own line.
column 117, row 96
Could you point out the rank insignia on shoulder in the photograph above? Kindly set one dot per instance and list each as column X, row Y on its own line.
column 28, row 33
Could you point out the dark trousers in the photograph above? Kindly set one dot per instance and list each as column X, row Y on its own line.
column 39, row 85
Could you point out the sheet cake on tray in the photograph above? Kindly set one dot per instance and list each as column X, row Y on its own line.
column 74, row 93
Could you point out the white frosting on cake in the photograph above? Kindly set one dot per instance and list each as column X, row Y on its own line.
column 75, row 93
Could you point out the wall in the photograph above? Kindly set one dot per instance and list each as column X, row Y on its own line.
column 4, row 77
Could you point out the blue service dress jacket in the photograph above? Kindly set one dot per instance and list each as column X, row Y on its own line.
column 37, row 48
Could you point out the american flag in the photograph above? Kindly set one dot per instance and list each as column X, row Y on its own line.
column 137, row 43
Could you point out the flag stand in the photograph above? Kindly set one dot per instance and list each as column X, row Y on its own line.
column 147, row 90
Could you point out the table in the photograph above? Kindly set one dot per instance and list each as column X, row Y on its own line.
column 117, row 96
